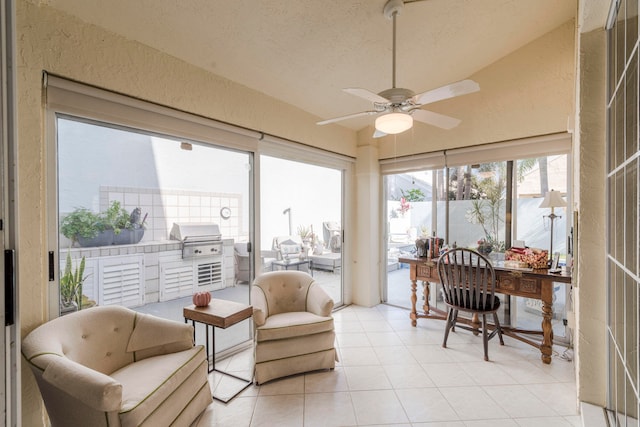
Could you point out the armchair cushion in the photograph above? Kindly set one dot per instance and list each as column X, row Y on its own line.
column 295, row 324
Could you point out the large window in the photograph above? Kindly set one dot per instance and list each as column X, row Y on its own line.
column 623, row 260
column 484, row 206
column 125, row 198
column 301, row 217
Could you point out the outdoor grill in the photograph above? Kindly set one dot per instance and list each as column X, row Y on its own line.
column 198, row 239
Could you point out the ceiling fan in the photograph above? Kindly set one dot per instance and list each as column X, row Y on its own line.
column 396, row 108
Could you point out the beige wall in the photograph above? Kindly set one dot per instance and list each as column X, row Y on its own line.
column 589, row 198
column 527, row 93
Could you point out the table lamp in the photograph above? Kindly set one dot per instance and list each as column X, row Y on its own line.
column 553, row 199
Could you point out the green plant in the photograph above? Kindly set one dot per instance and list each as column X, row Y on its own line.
column 84, row 223
column 81, row 222
column 304, row 232
column 413, row 195
column 71, row 283
column 116, row 218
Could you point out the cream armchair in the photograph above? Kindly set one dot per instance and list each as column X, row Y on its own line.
column 294, row 330
column 111, row 366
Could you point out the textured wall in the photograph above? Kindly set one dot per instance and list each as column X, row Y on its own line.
column 589, row 191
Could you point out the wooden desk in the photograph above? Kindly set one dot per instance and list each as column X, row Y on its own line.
column 536, row 284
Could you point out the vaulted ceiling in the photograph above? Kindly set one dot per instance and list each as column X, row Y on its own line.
column 305, row 51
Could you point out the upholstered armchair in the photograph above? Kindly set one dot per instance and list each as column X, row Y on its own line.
column 294, row 330
column 111, row 366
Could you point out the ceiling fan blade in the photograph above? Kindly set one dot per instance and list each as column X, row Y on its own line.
column 378, row 134
column 435, row 119
column 349, row 116
column 462, row 87
column 366, row 94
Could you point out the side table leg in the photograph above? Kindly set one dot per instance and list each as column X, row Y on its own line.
column 414, row 298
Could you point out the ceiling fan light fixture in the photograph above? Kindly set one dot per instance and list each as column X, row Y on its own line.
column 394, row 123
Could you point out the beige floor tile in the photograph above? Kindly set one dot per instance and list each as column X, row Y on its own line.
column 543, row 422
column 491, row 423
column 440, row 424
column 519, row 402
column 358, row 356
column 348, row 327
column 376, row 326
column 472, row 403
column 326, row 381
column 525, row 372
column 407, row 376
column 352, row 340
column 394, row 355
column 366, row 378
column 561, row 397
column 488, row 373
column 329, row 409
column 377, row 407
column 283, row 410
column 426, row 405
column 432, row 353
column 287, row 385
column 382, row 339
column 237, row 413
column 448, row 374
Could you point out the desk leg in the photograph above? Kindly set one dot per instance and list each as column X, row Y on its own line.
column 414, row 298
column 547, row 313
column 426, row 291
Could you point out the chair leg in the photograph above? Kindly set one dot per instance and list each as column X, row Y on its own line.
column 485, row 340
column 447, row 327
column 498, row 328
column 455, row 319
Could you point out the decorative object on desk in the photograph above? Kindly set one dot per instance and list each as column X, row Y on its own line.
column 201, row 299
column 422, row 246
column 553, row 199
column 533, row 257
column 484, row 247
column 434, row 246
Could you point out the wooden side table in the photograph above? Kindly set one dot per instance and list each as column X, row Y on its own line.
column 218, row 314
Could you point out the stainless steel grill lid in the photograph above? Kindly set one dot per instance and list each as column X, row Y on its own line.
column 195, row 232
column 198, row 239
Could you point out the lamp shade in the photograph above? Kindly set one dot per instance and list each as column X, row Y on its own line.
column 393, row 123
column 553, row 199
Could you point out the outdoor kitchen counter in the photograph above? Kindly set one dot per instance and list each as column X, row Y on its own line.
column 138, row 248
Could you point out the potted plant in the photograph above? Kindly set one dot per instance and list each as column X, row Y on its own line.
column 71, row 282
column 113, row 226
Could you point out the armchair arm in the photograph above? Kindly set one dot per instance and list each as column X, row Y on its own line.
column 94, row 389
column 318, row 301
column 259, row 303
column 153, row 332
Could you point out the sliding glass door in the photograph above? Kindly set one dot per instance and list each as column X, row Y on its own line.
column 301, row 220
column 486, row 207
column 128, row 203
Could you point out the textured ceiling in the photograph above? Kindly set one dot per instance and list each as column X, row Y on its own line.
column 305, row 51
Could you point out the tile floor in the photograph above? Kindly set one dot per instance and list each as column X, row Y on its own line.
column 390, row 373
